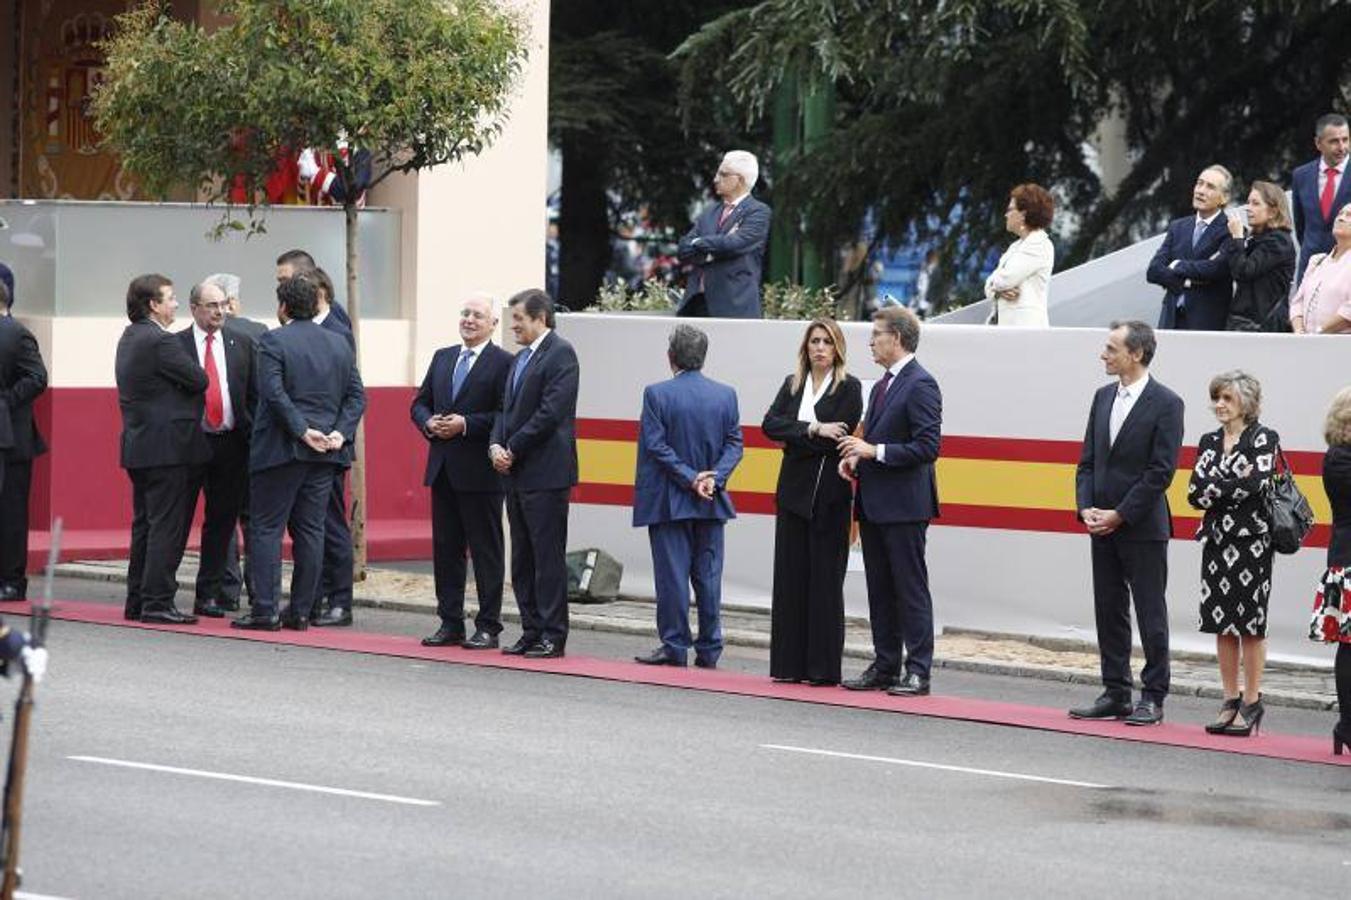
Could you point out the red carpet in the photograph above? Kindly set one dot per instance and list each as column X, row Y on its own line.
column 1277, row 746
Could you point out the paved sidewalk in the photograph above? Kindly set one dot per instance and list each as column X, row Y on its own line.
column 1000, row 654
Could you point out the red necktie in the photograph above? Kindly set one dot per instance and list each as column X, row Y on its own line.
column 1329, row 192
column 215, row 403
column 726, row 211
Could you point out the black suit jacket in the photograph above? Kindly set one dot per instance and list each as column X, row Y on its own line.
column 160, row 388
column 239, row 356
column 22, row 378
column 307, row 378
column 341, row 326
column 1204, row 266
column 538, row 420
column 902, row 488
column 1337, row 484
column 1132, row 474
column 464, row 458
column 807, row 477
column 251, row 329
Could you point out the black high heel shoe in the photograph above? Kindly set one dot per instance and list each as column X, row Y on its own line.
column 1252, row 720
column 1226, row 717
column 1339, row 739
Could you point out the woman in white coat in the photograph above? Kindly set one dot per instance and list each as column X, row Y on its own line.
column 1018, row 285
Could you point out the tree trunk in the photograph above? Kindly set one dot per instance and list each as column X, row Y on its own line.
column 359, row 462
column 583, row 222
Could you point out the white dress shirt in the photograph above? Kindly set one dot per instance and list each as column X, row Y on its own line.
column 1122, row 404
column 895, row 370
column 806, row 411
column 218, row 359
column 1323, row 178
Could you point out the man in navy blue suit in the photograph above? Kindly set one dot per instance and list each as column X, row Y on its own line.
column 1319, row 189
column 454, row 409
column 1189, row 265
column 534, row 447
column 300, row 262
column 1128, row 460
column 689, row 442
column 897, row 496
column 310, row 399
column 726, row 246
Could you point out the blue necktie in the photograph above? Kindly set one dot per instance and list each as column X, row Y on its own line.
column 1199, row 230
column 522, row 360
column 461, row 372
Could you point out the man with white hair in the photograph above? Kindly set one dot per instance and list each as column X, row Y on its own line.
column 726, row 246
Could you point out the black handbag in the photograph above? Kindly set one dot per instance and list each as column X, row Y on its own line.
column 1288, row 511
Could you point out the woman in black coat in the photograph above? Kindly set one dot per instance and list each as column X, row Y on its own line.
column 1263, row 264
column 1332, row 601
column 817, row 405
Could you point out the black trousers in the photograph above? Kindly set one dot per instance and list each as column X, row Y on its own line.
column 696, row 308
column 223, row 481
column 467, row 521
column 1124, row 571
column 339, row 556
column 15, row 479
column 899, row 605
column 539, row 570
column 290, row 497
column 162, row 502
column 807, row 624
column 1342, row 672
column 238, row 579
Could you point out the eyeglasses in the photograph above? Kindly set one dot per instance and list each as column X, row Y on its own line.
column 214, row 306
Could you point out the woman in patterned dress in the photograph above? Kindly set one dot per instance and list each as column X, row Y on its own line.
column 1234, row 465
column 1332, row 603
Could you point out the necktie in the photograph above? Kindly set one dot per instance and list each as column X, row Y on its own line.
column 215, row 402
column 879, row 396
column 461, row 372
column 726, row 211
column 1119, row 410
column 1329, row 192
column 1198, row 231
column 522, row 360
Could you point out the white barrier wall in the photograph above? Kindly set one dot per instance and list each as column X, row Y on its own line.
column 1007, row 554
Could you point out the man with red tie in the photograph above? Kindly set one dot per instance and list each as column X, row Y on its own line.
column 726, row 246
column 227, row 359
column 1319, row 189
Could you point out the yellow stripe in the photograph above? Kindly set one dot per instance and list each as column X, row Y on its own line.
column 970, row 482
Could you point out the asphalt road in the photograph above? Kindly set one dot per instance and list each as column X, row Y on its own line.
column 169, row 766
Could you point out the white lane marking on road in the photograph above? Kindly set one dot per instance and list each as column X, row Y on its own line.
column 914, row 763
column 247, row 779
column 24, row 895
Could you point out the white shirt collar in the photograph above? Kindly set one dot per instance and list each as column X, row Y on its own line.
column 1135, row 389
column 737, row 202
column 319, row 319
column 199, row 334
column 534, row 345
column 895, row 368
column 1340, row 167
column 1212, row 218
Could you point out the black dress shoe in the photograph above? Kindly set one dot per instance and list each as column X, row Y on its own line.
column 316, row 612
column 170, row 616
column 10, row 592
column 1146, row 712
column 872, row 679
column 293, row 622
column 823, row 682
column 481, row 640
column 131, row 615
column 228, row 604
column 443, row 637
column 255, row 622
column 522, row 644
column 701, row 663
column 660, row 657
column 1107, row 706
column 334, row 617
column 209, row 610
column 544, row 649
column 910, row 685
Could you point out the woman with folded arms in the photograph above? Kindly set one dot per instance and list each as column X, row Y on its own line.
column 817, row 405
column 1019, row 284
column 1332, row 602
column 1262, row 263
column 1322, row 305
column 1232, row 477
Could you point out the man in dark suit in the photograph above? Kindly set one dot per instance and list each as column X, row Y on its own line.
column 236, row 581
column 454, row 409
column 726, row 246
column 298, row 262
column 23, row 378
column 897, row 495
column 534, row 447
column 310, row 399
column 1189, row 264
column 161, row 389
column 227, row 358
column 1128, row 460
column 1319, row 188
column 689, row 442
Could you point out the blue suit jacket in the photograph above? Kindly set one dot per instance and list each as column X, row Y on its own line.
column 690, row 424
column 909, row 422
column 1206, row 268
column 538, row 420
column 1312, row 231
column 728, row 264
column 307, row 378
column 464, row 458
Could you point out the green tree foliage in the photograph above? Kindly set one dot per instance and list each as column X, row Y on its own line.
column 614, row 117
column 947, row 104
column 417, row 83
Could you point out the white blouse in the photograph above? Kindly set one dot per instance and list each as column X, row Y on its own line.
column 1025, row 265
column 806, row 411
